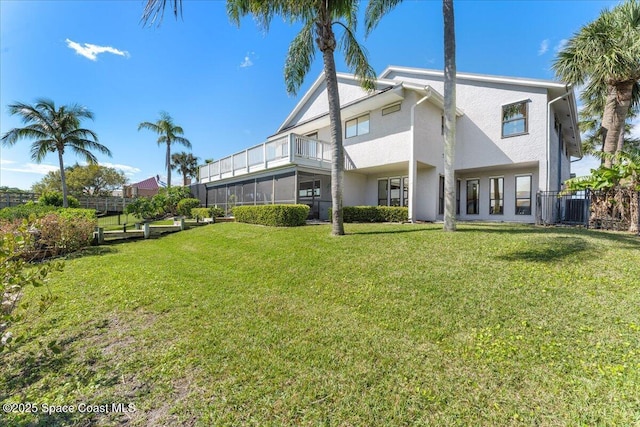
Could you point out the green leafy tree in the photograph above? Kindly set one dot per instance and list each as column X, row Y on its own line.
column 95, row 180
column 54, row 198
column 168, row 133
column 376, row 10
column 89, row 180
column 605, row 56
column 318, row 18
column 186, row 164
column 51, row 182
column 55, row 130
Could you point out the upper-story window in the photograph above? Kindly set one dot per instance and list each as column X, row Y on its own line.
column 357, row 126
column 391, row 109
column 515, row 119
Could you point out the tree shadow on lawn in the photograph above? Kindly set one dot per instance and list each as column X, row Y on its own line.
column 29, row 367
column 551, row 250
column 409, row 229
column 92, row 251
column 631, row 241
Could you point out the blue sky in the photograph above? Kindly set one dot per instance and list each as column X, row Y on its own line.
column 224, row 85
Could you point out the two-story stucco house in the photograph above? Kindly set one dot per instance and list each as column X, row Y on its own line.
column 515, row 137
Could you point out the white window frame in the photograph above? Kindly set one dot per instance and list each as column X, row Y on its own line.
column 357, row 125
column 393, row 108
column 501, row 198
column 530, row 176
column 525, row 102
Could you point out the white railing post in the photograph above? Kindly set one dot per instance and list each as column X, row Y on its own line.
column 292, row 147
column 264, row 155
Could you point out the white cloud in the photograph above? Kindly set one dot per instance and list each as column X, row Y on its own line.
column 561, row 44
column 544, row 47
column 247, row 61
column 6, row 162
column 40, row 169
column 91, row 51
column 126, row 169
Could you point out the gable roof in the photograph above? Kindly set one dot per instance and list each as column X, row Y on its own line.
column 383, row 86
column 487, row 78
column 147, row 184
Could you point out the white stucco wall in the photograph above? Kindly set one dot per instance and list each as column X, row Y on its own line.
column 509, row 195
column 354, row 191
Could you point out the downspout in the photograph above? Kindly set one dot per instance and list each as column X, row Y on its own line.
column 413, row 167
column 548, row 184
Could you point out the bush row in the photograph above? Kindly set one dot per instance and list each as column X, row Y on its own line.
column 374, row 214
column 32, row 211
column 272, row 215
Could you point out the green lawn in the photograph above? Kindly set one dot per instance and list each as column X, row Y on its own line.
column 234, row 324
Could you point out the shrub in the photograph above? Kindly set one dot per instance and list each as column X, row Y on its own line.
column 210, row 212
column 186, row 205
column 272, row 215
column 64, row 232
column 29, row 210
column 374, row 214
column 200, row 213
column 142, row 207
column 167, row 199
column 16, row 275
column 54, row 198
column 216, row 212
column 78, row 213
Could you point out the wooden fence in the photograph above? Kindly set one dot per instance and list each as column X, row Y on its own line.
column 102, row 205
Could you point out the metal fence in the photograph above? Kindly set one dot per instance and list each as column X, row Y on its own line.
column 613, row 209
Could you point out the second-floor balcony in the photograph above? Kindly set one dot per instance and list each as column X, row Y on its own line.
column 288, row 150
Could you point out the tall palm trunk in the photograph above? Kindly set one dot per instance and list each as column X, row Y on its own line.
column 449, row 116
column 168, row 164
column 63, row 179
column 327, row 43
column 616, row 108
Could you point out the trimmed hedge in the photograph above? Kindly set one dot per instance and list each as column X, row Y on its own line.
column 374, row 214
column 272, row 215
column 186, row 205
column 210, row 212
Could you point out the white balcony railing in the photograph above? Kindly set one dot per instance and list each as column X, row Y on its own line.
column 290, row 149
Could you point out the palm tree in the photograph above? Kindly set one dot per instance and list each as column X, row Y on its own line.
column 55, row 130
column 318, row 18
column 168, row 133
column 449, row 116
column 604, row 55
column 376, row 9
column 186, row 164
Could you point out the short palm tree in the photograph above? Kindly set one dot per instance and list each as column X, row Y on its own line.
column 318, row 18
column 55, row 130
column 168, row 133
column 186, row 164
column 605, row 56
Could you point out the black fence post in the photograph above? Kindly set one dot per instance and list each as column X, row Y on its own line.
column 587, row 213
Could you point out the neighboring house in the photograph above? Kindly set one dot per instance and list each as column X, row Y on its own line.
column 514, row 136
column 146, row 188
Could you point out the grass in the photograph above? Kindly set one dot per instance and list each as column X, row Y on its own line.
column 234, row 324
